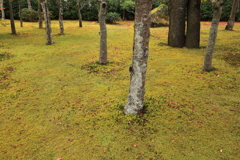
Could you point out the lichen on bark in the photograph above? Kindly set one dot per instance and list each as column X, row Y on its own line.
column 135, row 102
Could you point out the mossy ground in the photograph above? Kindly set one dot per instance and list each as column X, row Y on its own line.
column 56, row 102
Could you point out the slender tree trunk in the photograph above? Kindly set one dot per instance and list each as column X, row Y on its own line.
column 20, row 13
column 79, row 13
column 11, row 18
column 135, row 102
column 231, row 19
column 217, row 6
column 193, row 24
column 40, row 18
column 176, row 34
column 103, row 32
column 29, row 5
column 47, row 22
column 61, row 17
column 2, row 10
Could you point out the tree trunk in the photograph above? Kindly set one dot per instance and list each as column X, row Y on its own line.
column 11, row 18
column 20, row 13
column 2, row 10
column 61, row 17
column 79, row 13
column 232, row 16
column 217, row 6
column 29, row 5
column 135, row 102
column 103, row 32
column 176, row 34
column 47, row 22
column 193, row 24
column 40, row 23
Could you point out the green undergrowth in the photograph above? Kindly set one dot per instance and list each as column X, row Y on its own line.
column 56, row 101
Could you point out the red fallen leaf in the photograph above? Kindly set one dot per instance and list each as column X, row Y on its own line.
column 59, row 159
column 44, row 139
column 78, row 102
column 224, row 125
column 70, row 140
column 134, row 145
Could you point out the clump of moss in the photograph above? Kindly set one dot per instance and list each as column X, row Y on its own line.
column 102, row 69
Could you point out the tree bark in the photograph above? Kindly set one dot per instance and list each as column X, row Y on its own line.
column 61, row 17
column 13, row 29
column 135, row 102
column 176, row 34
column 40, row 21
column 79, row 13
column 231, row 19
column 193, row 24
column 29, row 5
column 103, row 32
column 2, row 9
column 217, row 6
column 20, row 13
column 47, row 22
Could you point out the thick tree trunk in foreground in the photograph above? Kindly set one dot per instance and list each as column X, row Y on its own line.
column 40, row 18
column 135, row 102
column 217, row 6
column 20, row 13
column 193, row 24
column 103, row 32
column 61, row 17
column 231, row 19
column 29, row 5
column 47, row 22
column 2, row 10
column 176, row 34
column 11, row 18
column 79, row 13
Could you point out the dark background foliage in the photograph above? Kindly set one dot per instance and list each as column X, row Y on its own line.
column 90, row 12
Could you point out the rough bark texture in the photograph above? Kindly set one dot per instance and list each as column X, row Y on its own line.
column 193, row 24
column 217, row 6
column 103, row 32
column 232, row 16
column 176, row 34
column 40, row 23
column 135, row 102
column 79, row 13
column 13, row 29
column 61, row 17
column 2, row 10
column 20, row 13
column 47, row 22
column 29, row 5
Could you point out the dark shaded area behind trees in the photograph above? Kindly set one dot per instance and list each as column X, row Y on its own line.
column 90, row 12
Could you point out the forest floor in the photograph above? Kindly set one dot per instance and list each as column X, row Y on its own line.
column 57, row 102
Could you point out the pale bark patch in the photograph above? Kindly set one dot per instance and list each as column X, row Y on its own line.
column 135, row 102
